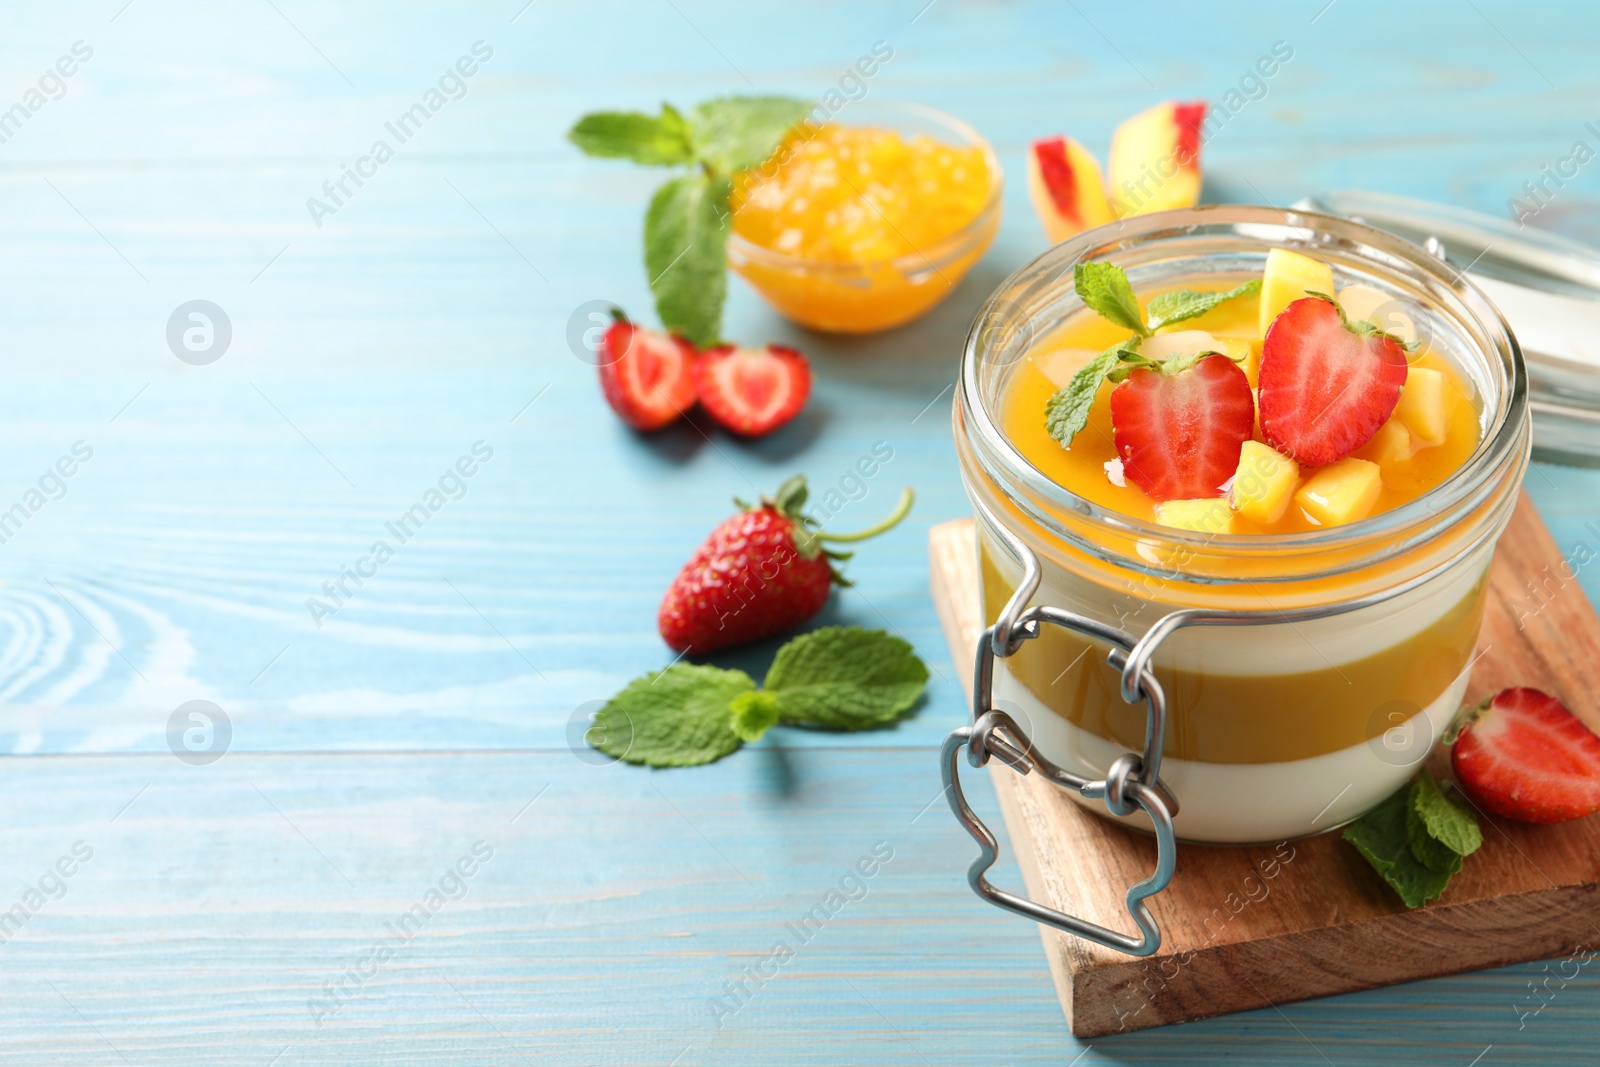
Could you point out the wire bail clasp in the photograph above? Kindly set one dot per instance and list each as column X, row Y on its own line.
column 1131, row 784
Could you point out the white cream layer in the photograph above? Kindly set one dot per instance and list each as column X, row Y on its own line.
column 1243, row 803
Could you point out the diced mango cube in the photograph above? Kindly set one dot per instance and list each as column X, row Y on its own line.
column 1422, row 406
column 1209, row 515
column 1288, row 277
column 1243, row 351
column 1342, row 492
column 1263, row 484
column 1391, row 444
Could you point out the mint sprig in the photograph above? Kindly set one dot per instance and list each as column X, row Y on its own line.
column 672, row 718
column 1416, row 839
column 685, row 241
column 662, row 140
column 1066, row 413
column 1105, row 290
column 1448, row 821
column 1183, row 304
column 845, row 678
column 837, row 678
column 732, row 133
column 1428, row 850
column 687, row 224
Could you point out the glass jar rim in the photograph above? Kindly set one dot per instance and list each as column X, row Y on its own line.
column 1505, row 437
column 947, row 248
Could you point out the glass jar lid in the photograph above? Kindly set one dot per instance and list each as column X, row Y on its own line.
column 1546, row 286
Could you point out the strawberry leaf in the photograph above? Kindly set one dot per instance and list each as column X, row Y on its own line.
column 1363, row 327
column 633, row 135
column 1174, row 364
column 1067, row 412
column 1188, row 304
column 1107, row 292
column 1464, row 717
column 685, row 234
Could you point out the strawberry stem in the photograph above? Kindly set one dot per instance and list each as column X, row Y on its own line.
column 1464, row 717
column 901, row 510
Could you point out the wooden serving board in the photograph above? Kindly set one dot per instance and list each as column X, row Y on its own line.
column 1246, row 928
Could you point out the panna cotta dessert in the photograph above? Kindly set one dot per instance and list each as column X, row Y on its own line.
column 1308, row 426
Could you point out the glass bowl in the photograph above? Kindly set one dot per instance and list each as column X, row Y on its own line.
column 872, row 296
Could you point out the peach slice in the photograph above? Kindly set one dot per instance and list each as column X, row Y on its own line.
column 1060, row 364
column 1068, row 192
column 1155, row 159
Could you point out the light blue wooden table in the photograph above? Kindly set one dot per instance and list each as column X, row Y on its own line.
column 251, row 911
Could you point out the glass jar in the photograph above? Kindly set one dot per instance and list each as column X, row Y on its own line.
column 1348, row 648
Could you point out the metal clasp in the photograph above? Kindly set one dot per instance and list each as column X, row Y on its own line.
column 1132, row 783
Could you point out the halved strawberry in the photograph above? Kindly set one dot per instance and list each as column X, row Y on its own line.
column 1179, row 426
column 1523, row 755
column 646, row 375
column 1326, row 384
column 752, row 391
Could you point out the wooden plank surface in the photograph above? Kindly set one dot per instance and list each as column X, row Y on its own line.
column 428, row 314
column 215, row 907
column 1246, row 928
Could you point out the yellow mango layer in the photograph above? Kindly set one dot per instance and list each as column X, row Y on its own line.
column 1242, row 718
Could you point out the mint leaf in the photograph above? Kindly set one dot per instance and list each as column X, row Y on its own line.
column 845, row 678
column 754, row 714
column 685, row 233
column 1380, row 836
column 1066, row 413
column 1430, row 853
column 1188, row 304
column 1452, row 824
column 632, row 135
column 735, row 132
column 678, row 717
column 1107, row 292
column 686, row 227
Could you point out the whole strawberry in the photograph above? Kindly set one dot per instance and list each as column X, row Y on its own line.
column 759, row 573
